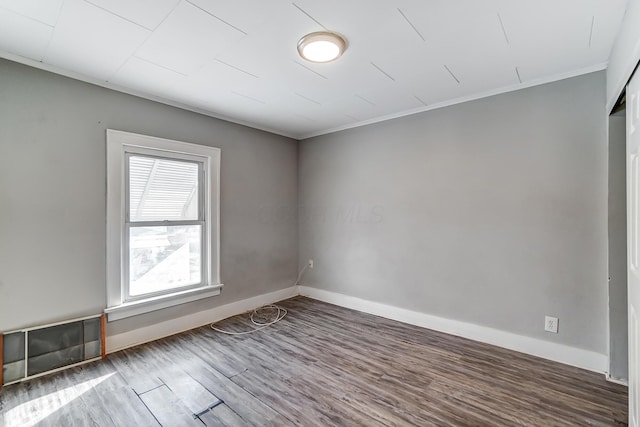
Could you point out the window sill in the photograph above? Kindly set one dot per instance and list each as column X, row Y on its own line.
column 135, row 308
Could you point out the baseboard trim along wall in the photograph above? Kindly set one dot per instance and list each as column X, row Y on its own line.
column 568, row 355
column 617, row 380
column 195, row 320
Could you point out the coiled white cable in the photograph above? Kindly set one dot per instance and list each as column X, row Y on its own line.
column 263, row 322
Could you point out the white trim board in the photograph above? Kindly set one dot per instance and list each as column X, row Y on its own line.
column 561, row 353
column 617, row 380
column 568, row 355
column 195, row 320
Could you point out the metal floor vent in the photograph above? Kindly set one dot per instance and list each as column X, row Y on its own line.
column 33, row 352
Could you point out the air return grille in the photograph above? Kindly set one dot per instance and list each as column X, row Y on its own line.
column 33, row 352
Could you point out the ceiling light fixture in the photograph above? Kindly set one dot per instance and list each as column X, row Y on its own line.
column 323, row 46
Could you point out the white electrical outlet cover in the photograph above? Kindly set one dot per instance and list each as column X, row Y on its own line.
column 551, row 324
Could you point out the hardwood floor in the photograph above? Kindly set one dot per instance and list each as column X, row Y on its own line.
column 322, row 365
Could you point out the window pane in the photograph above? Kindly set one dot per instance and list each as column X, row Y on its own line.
column 161, row 189
column 163, row 258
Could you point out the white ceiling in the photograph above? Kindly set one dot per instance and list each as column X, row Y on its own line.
column 237, row 59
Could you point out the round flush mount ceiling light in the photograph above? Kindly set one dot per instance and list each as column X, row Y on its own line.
column 323, row 46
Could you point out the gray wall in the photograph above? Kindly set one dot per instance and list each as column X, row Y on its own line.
column 53, row 188
column 492, row 212
column 617, row 248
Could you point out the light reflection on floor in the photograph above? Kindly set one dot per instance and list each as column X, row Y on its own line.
column 30, row 413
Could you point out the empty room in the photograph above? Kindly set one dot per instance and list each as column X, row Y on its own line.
column 319, row 213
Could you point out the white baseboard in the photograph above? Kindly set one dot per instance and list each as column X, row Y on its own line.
column 568, row 355
column 194, row 320
column 616, row 380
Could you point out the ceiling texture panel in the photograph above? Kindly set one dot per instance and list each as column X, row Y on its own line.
column 46, row 12
column 246, row 15
column 187, row 39
column 237, row 59
column 23, row 36
column 91, row 41
column 146, row 13
column 146, row 77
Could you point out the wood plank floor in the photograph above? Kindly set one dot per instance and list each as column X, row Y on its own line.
column 322, row 365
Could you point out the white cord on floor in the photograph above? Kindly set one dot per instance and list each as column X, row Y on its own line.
column 263, row 322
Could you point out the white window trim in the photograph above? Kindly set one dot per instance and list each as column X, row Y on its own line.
column 119, row 143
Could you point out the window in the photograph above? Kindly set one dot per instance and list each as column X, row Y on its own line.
column 162, row 223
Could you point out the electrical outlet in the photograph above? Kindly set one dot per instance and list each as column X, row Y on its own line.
column 310, row 263
column 551, row 324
